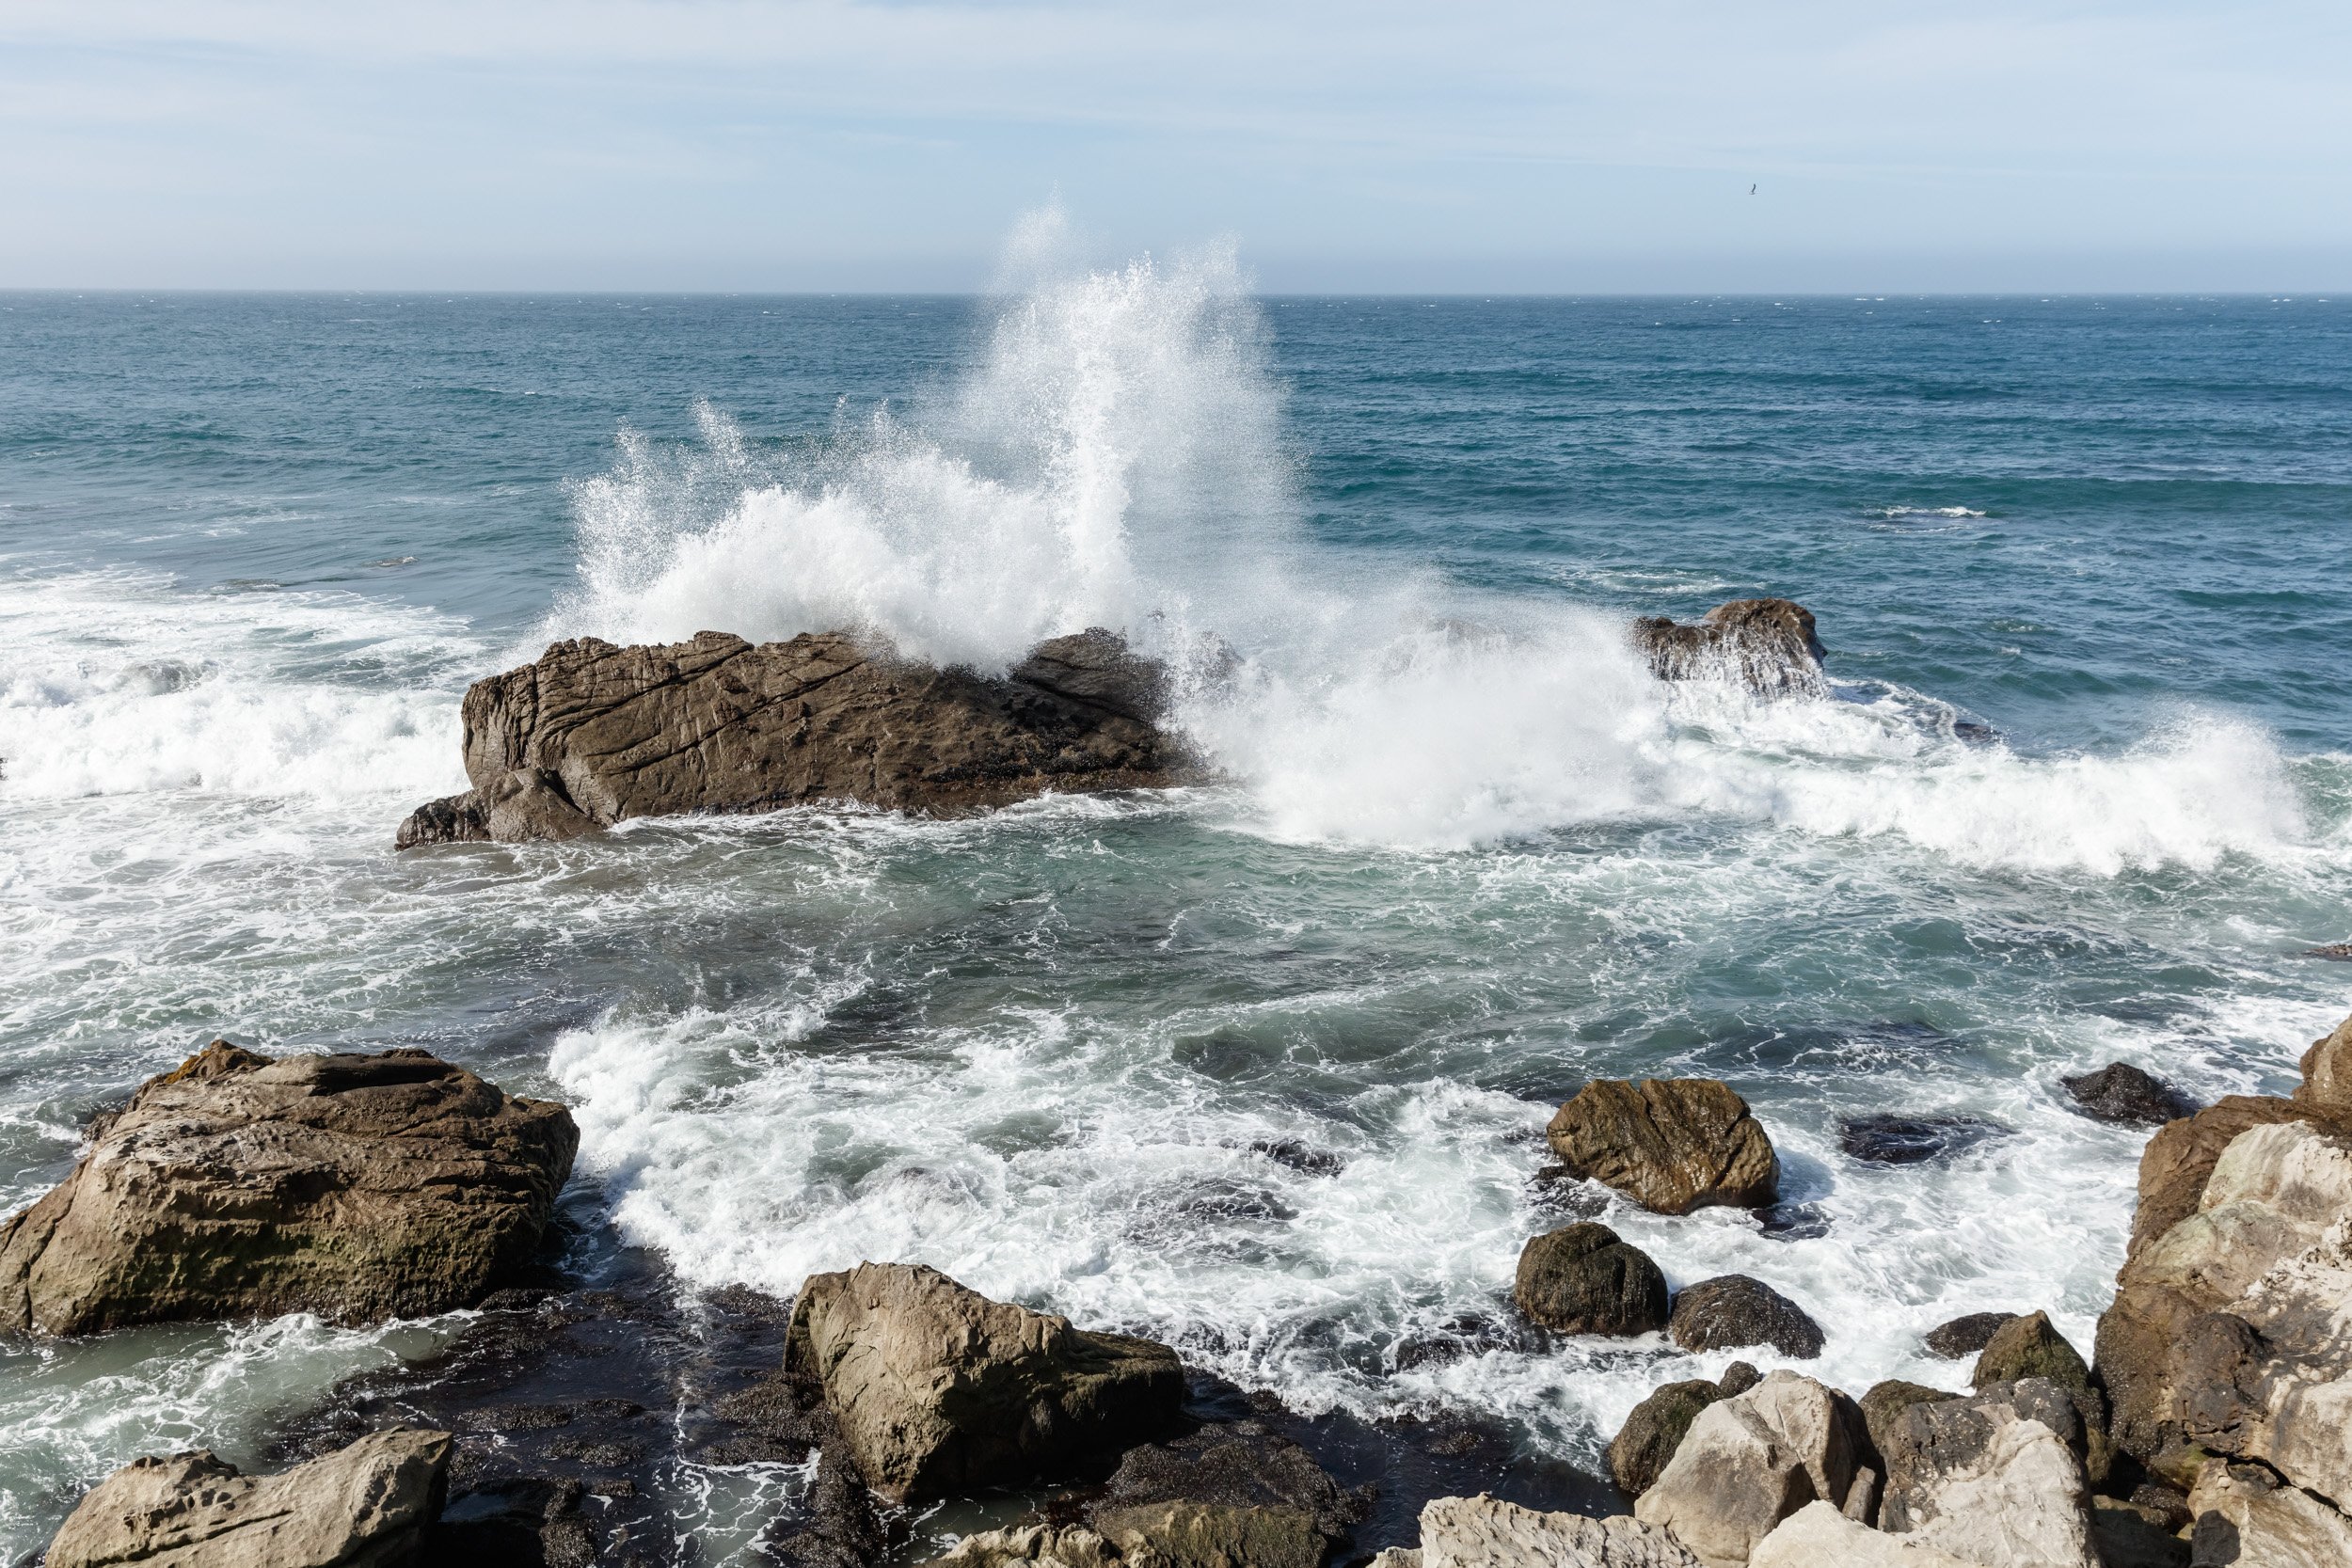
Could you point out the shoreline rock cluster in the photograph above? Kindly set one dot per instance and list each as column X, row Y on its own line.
column 2209, row 1428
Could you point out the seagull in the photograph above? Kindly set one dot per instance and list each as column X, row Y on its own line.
column 1751, row 190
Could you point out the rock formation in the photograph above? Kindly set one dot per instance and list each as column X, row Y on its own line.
column 1582, row 1279
column 1733, row 1312
column 2029, row 1347
column 1964, row 1335
column 356, row 1187
column 1750, row 1462
column 593, row 734
column 1639, row 1455
column 1766, row 644
column 368, row 1506
column 939, row 1390
column 1485, row 1532
column 1819, row 1536
column 1989, row 1480
column 2124, row 1093
column 1672, row 1144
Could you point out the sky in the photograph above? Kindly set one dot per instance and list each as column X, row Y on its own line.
column 1670, row 146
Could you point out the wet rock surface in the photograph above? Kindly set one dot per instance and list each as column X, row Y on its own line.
column 1769, row 645
column 1964, row 1335
column 1909, row 1140
column 1735, row 1311
column 593, row 734
column 2128, row 1097
column 357, row 1187
column 1583, row 1279
column 1671, row 1145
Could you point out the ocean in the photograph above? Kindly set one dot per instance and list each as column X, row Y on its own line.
column 2080, row 791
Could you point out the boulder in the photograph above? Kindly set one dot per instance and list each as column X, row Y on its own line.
column 1885, row 1402
column 1818, row 1536
column 1654, row 1429
column 237, row 1186
column 1485, row 1532
column 1750, row 1462
column 1892, row 1139
column 1985, row 1478
column 939, row 1390
column 1964, row 1335
column 1768, row 645
column 2174, row 1165
column 592, row 734
column 2341, row 951
column 2122, row 1094
column 1671, row 1145
column 1739, row 1378
column 1232, row 1483
column 2230, row 1333
column 2247, row 1518
column 2029, row 1347
column 1581, row 1279
column 1733, row 1311
column 2326, row 1087
column 366, row 1506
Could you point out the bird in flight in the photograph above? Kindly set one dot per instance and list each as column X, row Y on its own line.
column 1751, row 190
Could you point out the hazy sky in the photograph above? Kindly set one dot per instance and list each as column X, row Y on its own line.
column 733, row 144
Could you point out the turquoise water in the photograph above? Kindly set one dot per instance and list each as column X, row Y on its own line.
column 1465, row 854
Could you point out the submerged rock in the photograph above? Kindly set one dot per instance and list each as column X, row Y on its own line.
column 357, row 1187
column 1672, row 1144
column 1582, row 1279
column 1733, row 1312
column 939, row 1390
column 1750, row 1462
column 2122, row 1094
column 593, row 734
column 1891, row 1139
column 371, row 1505
column 1769, row 645
column 2340, row 951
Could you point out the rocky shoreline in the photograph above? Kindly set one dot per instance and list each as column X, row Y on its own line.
column 886, row 1401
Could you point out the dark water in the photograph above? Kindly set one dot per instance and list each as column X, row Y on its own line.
column 252, row 549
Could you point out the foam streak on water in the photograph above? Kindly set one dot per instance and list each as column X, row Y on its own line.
column 1459, row 855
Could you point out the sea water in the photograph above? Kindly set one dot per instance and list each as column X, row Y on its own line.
column 2080, row 789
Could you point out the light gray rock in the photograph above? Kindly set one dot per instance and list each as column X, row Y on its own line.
column 1160, row 1535
column 1819, row 1536
column 939, row 1390
column 1749, row 1463
column 356, row 1187
column 1985, row 1480
column 365, row 1506
column 1482, row 1532
column 2247, row 1519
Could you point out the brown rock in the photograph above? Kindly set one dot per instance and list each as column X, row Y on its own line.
column 1886, row 1402
column 1581, row 1279
column 1655, row 1428
column 593, row 734
column 2174, row 1165
column 1672, row 1144
column 939, row 1390
column 366, row 1506
column 2326, row 1087
column 1768, row 644
column 356, row 1187
column 1733, row 1312
column 1964, row 1335
column 2030, row 1347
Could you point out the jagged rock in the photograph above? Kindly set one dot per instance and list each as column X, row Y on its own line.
column 2029, row 1347
column 1581, row 1279
column 1891, row 1139
column 1161, row 1535
column 1733, row 1311
column 355, row 1187
column 1047, row 1545
column 1671, row 1145
column 1964, row 1335
column 1749, row 1463
column 1769, row 645
column 1485, row 1532
column 593, row 734
column 2174, row 1166
column 366, row 1506
column 1986, row 1479
column 2326, row 1087
column 1654, row 1430
column 2247, row 1519
column 939, row 1390
column 2230, row 1333
column 2124, row 1093
column 1819, row 1536
column 1884, row 1403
